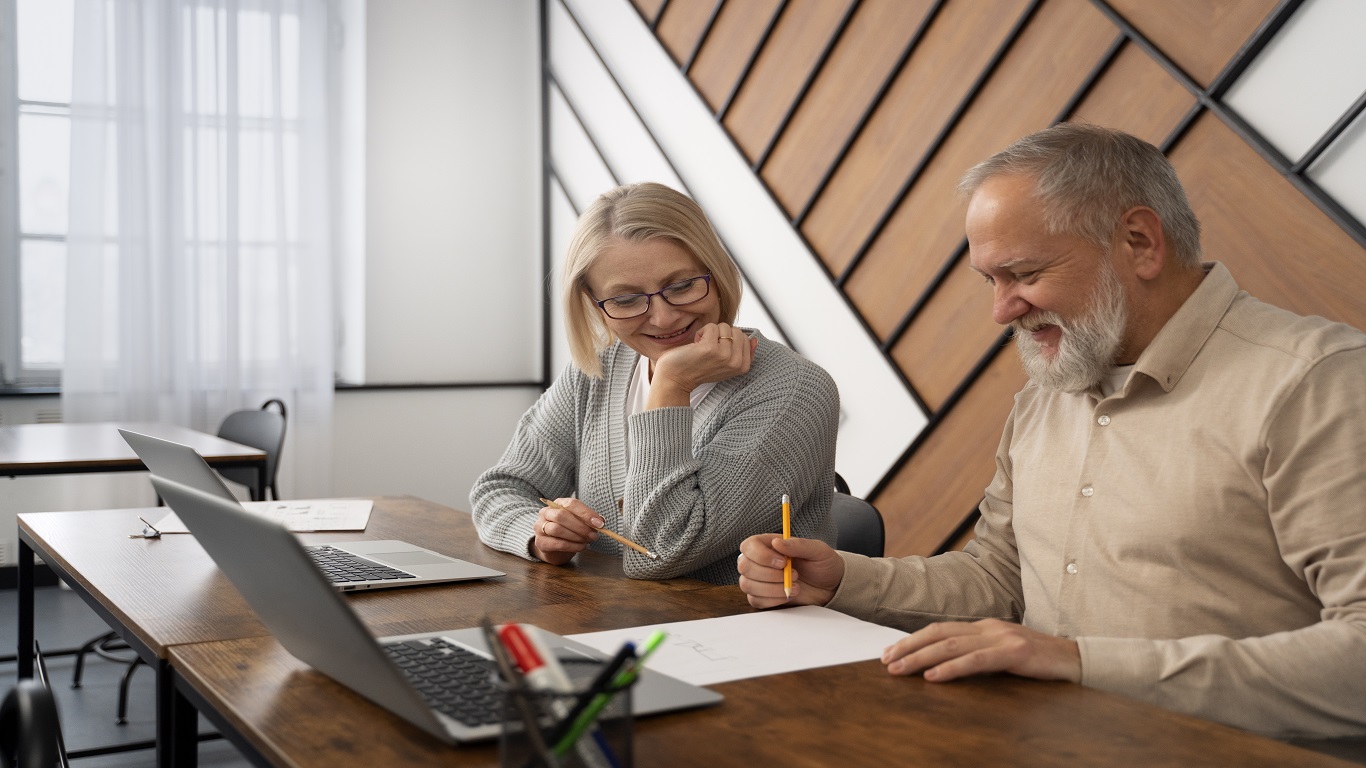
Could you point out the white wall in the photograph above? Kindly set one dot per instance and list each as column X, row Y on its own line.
column 452, row 200
column 453, row 245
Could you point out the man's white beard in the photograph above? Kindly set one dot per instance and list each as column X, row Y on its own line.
column 1087, row 349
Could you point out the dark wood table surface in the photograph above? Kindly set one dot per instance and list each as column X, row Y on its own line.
column 280, row 712
column 58, row 449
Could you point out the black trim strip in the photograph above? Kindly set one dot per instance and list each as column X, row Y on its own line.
column 892, row 74
column 1327, row 139
column 654, row 23
column 811, row 76
column 939, row 140
column 1253, row 46
column 969, row 522
column 559, row 182
column 578, row 118
column 547, row 170
column 434, row 385
column 1088, row 84
column 749, row 64
column 1182, row 126
column 706, row 33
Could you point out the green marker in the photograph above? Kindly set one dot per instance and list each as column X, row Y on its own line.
column 623, row 680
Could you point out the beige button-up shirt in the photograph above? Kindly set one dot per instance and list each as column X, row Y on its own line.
column 1201, row 533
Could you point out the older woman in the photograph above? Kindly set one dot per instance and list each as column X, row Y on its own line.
column 671, row 427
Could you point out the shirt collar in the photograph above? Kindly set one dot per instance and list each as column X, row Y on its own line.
column 1180, row 340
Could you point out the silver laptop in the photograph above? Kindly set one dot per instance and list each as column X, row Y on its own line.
column 315, row 624
column 349, row 565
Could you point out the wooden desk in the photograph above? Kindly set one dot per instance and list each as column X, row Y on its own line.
column 280, row 712
column 171, row 600
column 55, row 449
column 163, row 593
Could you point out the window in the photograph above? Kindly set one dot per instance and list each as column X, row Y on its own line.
column 35, row 87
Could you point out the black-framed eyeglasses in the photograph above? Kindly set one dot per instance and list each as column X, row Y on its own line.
column 678, row 294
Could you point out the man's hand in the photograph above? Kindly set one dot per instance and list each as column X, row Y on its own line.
column 564, row 532
column 954, row 649
column 816, row 570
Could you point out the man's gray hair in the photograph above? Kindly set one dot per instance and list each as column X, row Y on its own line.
column 1087, row 177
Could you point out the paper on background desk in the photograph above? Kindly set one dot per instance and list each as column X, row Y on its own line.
column 298, row 515
column 709, row 651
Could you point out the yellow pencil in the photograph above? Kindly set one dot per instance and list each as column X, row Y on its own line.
column 612, row 534
column 787, row 534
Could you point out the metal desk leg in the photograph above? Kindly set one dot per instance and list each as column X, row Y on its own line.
column 25, row 650
column 177, row 723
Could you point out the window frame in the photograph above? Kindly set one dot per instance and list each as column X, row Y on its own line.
column 14, row 374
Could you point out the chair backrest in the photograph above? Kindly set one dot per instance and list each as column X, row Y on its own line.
column 29, row 727
column 30, row 731
column 858, row 526
column 263, row 429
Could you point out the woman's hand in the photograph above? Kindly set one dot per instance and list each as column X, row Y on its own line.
column 564, row 532
column 718, row 352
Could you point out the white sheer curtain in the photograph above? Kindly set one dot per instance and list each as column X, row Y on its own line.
column 200, row 272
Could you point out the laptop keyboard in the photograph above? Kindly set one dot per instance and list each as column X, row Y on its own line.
column 455, row 681
column 340, row 567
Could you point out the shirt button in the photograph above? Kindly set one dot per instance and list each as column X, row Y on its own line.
column 1088, row 491
column 1104, row 421
column 1072, row 568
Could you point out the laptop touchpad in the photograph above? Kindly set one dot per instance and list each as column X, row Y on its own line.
column 409, row 558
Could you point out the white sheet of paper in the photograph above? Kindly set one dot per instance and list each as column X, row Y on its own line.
column 298, row 515
column 709, row 651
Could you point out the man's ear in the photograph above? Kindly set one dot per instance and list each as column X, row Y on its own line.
column 1142, row 232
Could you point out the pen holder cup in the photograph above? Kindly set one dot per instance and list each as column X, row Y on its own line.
column 606, row 743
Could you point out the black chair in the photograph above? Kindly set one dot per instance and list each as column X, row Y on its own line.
column 30, row 731
column 858, row 526
column 263, row 429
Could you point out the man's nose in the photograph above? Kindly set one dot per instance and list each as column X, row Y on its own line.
column 1007, row 305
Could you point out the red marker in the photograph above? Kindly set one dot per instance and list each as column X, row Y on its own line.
column 541, row 669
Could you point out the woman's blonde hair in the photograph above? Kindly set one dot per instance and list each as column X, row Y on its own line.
column 636, row 213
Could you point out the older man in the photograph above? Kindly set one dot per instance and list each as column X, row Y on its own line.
column 1179, row 507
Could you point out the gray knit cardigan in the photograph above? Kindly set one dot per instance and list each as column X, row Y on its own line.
column 698, row 481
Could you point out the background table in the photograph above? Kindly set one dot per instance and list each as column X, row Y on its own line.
column 59, row 449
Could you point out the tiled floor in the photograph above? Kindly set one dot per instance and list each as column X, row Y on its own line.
column 88, row 712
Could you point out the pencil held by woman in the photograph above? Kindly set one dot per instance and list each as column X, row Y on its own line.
column 622, row 540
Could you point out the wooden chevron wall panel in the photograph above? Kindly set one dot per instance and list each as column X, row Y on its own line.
column 861, row 115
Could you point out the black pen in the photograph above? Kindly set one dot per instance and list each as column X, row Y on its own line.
column 601, row 683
